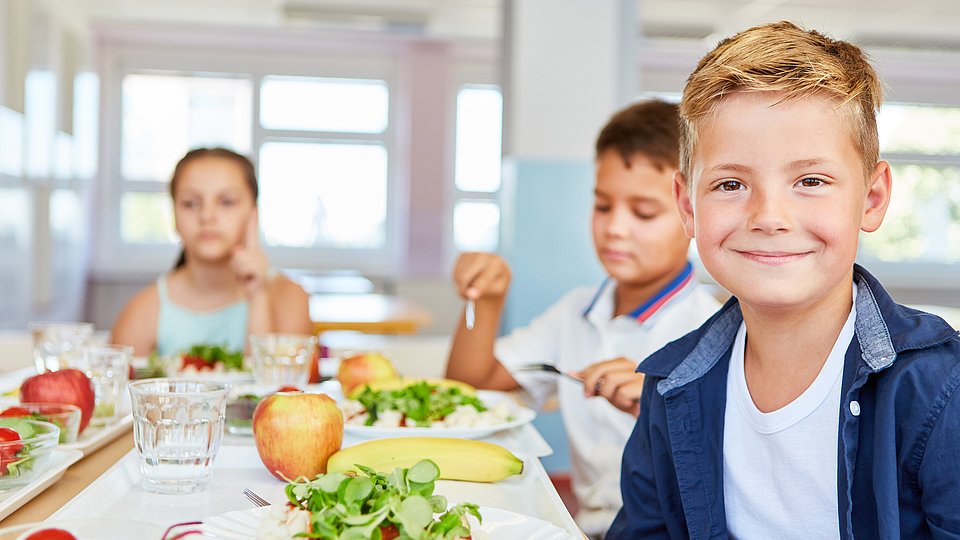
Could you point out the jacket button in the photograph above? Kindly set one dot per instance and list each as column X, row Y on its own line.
column 855, row 408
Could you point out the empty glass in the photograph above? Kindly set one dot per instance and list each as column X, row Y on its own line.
column 280, row 359
column 177, row 429
column 108, row 367
column 59, row 345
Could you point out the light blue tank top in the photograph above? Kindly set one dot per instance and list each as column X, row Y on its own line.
column 179, row 328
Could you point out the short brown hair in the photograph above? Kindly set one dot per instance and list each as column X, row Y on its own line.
column 782, row 57
column 651, row 128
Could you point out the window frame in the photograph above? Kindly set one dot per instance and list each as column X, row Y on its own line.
column 470, row 73
column 113, row 256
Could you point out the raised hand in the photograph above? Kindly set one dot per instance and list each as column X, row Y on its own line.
column 481, row 275
column 617, row 381
column 249, row 263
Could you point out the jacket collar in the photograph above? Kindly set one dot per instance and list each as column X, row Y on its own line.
column 883, row 327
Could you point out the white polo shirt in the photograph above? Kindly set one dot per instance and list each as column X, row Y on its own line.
column 578, row 331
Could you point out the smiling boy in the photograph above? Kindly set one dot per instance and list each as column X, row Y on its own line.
column 811, row 405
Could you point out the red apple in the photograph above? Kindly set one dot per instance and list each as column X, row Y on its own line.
column 296, row 433
column 70, row 386
column 363, row 368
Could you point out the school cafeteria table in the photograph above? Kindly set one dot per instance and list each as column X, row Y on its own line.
column 106, row 484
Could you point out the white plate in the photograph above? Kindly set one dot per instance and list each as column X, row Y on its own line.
column 60, row 460
column 497, row 525
column 95, row 437
column 522, row 416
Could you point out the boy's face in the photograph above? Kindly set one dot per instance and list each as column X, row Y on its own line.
column 778, row 199
column 637, row 231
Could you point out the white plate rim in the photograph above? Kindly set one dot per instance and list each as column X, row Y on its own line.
column 243, row 524
column 62, row 459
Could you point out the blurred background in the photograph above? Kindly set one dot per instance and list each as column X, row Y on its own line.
column 392, row 134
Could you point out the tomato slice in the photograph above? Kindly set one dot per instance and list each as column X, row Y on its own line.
column 15, row 412
column 8, row 434
column 195, row 361
column 389, row 532
column 8, row 452
column 51, row 534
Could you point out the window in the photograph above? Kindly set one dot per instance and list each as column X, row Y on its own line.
column 163, row 116
column 314, row 104
column 476, row 213
column 320, row 144
column 322, row 194
column 922, row 225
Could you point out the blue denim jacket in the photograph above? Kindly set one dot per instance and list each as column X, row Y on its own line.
column 898, row 460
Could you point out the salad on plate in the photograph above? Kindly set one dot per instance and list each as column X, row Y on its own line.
column 401, row 504
column 423, row 404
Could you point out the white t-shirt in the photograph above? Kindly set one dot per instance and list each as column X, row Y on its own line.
column 578, row 331
column 780, row 468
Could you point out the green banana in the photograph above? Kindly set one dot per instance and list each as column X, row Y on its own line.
column 458, row 459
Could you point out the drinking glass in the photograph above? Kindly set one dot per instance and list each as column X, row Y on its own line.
column 280, row 359
column 108, row 367
column 177, row 429
column 59, row 345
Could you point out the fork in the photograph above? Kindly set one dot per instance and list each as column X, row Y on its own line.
column 469, row 315
column 549, row 368
column 254, row 498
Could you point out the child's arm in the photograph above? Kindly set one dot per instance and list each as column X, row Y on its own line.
column 137, row 323
column 291, row 307
column 484, row 278
column 617, row 380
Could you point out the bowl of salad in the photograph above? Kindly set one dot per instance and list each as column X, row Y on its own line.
column 63, row 415
column 25, row 450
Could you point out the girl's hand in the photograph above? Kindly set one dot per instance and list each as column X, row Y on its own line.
column 616, row 380
column 249, row 262
column 481, row 275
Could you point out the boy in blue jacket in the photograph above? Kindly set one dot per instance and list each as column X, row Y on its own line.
column 811, row 405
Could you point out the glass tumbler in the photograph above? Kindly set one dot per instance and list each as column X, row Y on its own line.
column 108, row 367
column 177, row 430
column 59, row 345
column 282, row 359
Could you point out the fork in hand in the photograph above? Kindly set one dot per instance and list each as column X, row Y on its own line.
column 549, row 368
column 254, row 498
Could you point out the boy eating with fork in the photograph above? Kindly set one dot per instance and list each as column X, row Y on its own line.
column 650, row 298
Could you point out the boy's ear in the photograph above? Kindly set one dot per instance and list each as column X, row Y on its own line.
column 877, row 197
column 684, row 200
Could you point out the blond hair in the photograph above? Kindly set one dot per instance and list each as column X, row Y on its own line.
column 782, row 57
